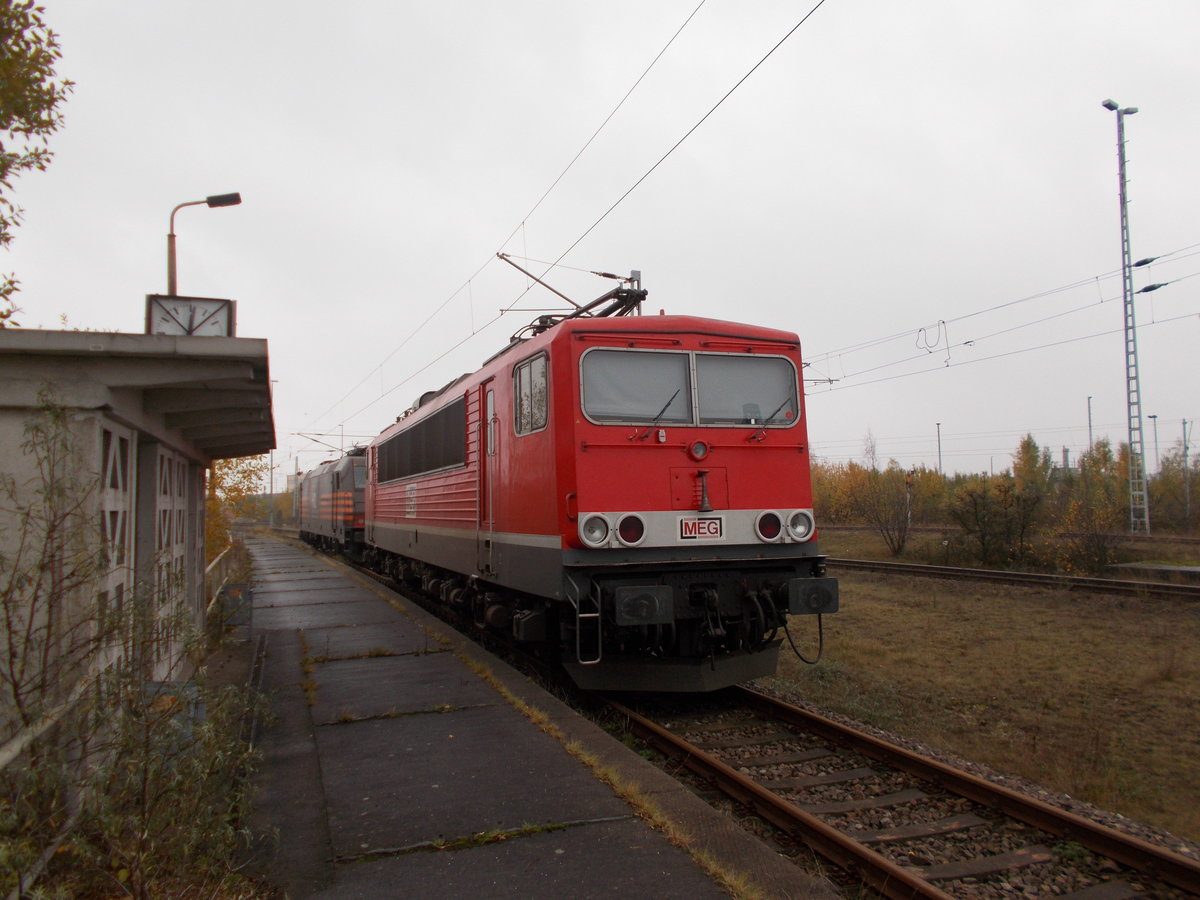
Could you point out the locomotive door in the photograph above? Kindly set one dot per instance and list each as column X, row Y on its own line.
column 488, row 441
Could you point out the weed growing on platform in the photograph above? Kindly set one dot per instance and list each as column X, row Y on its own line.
column 308, row 665
column 123, row 773
column 738, row 885
column 172, row 795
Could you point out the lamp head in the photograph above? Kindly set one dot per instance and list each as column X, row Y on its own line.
column 1110, row 104
column 224, row 199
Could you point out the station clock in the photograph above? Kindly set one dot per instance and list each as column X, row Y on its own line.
column 203, row 316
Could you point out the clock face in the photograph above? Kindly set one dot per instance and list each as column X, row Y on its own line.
column 189, row 315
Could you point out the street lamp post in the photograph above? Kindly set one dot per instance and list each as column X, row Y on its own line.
column 216, row 200
column 1139, row 508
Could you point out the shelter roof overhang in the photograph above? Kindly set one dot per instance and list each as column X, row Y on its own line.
column 210, row 396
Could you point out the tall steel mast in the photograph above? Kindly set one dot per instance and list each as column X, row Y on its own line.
column 1139, row 505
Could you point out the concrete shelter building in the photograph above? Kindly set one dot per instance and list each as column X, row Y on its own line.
column 147, row 415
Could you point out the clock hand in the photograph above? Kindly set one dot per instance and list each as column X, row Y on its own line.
column 205, row 320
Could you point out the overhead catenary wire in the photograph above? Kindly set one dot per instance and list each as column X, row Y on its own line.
column 1179, row 254
column 593, row 226
column 821, row 363
column 607, row 212
column 951, row 365
column 602, row 125
column 971, row 342
column 466, row 285
column 686, row 135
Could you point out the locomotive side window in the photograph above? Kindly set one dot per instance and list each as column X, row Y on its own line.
column 746, row 390
column 637, row 386
column 438, row 441
column 530, row 395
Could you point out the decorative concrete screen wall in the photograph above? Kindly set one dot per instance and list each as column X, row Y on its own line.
column 118, row 447
column 148, row 414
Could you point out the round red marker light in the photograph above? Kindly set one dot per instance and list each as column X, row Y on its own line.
column 769, row 526
column 631, row 530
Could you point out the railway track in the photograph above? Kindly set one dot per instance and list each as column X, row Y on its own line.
column 901, row 823
column 1124, row 537
column 1029, row 579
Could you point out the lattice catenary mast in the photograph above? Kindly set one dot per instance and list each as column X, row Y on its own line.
column 1139, row 507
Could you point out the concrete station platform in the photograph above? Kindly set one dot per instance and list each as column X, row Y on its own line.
column 395, row 766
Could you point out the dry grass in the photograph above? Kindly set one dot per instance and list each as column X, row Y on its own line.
column 1097, row 697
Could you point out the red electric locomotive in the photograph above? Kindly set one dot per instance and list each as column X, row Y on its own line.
column 631, row 491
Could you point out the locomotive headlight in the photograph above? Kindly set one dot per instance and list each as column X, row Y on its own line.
column 698, row 450
column 768, row 526
column 801, row 525
column 594, row 531
column 630, row 530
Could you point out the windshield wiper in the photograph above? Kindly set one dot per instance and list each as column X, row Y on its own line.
column 662, row 412
column 762, row 431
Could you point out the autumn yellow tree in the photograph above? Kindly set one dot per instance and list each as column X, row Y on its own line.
column 1174, row 496
column 31, row 95
column 233, row 488
column 281, row 507
column 1097, row 511
column 831, row 495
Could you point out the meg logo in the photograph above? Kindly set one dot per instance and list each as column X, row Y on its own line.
column 701, row 528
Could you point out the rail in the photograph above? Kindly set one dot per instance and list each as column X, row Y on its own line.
column 1029, row 579
column 1123, row 537
column 889, row 877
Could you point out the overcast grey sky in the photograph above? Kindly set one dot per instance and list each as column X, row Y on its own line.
column 926, row 192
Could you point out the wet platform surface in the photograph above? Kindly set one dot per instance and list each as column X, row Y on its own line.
column 393, row 768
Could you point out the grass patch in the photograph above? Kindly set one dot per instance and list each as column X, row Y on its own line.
column 1092, row 696
column 308, row 662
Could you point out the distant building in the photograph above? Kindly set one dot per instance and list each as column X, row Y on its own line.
column 1064, row 471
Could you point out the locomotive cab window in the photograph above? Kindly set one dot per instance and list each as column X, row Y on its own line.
column 530, row 395
column 746, row 390
column 637, row 386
